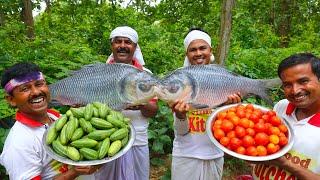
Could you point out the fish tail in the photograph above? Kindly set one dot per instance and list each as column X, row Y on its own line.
column 271, row 83
column 265, row 85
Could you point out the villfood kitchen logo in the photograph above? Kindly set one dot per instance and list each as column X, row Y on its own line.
column 197, row 120
column 267, row 172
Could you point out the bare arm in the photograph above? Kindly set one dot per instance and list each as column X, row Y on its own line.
column 149, row 110
column 298, row 171
column 77, row 171
column 180, row 110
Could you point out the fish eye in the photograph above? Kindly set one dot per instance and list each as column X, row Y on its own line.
column 173, row 87
column 144, row 87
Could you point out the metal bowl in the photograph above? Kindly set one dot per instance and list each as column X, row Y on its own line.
column 280, row 153
column 64, row 160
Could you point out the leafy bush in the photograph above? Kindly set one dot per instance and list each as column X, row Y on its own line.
column 160, row 133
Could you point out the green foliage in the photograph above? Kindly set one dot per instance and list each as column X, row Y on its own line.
column 76, row 33
column 6, row 112
column 232, row 165
column 160, row 133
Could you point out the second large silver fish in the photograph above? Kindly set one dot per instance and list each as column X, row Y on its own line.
column 209, row 85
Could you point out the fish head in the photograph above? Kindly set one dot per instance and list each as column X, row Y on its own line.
column 175, row 86
column 138, row 88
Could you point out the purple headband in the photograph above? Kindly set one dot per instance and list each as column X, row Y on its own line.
column 13, row 83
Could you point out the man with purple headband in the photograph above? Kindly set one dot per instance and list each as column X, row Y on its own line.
column 23, row 155
column 134, row 165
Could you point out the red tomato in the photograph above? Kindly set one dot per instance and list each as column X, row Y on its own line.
column 230, row 114
column 252, row 151
column 283, row 140
column 251, row 124
column 227, row 126
column 248, row 114
column 274, row 130
column 231, row 134
column 283, row 128
column 260, row 127
column 254, row 118
column 250, row 106
column 244, row 122
column 275, row 120
column 262, row 151
column 268, row 126
column 240, row 131
column 235, row 143
column 274, row 139
column 247, row 141
column 241, row 150
column 225, row 141
column 218, row 134
column 258, row 112
column 235, row 120
column 261, row 139
column 271, row 148
column 241, row 113
column 250, row 132
column 282, row 134
column 271, row 113
column 222, row 115
column 265, row 117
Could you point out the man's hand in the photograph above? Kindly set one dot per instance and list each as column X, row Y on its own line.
column 180, row 108
column 147, row 110
column 77, row 171
column 233, row 99
column 82, row 170
column 281, row 162
column 136, row 107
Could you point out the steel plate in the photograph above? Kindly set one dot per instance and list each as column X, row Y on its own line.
column 64, row 160
column 280, row 153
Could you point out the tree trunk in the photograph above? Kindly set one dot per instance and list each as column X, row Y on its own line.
column 2, row 17
column 225, row 30
column 273, row 15
column 28, row 18
column 285, row 22
column 48, row 6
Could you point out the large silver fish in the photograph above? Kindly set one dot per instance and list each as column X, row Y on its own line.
column 118, row 85
column 209, row 85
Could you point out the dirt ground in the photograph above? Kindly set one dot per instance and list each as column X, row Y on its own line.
column 232, row 168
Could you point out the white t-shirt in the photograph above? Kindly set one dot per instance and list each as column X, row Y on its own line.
column 23, row 155
column 196, row 143
column 306, row 147
column 140, row 124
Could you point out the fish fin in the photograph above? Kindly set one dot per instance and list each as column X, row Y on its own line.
column 198, row 106
column 263, row 96
column 55, row 103
column 85, row 68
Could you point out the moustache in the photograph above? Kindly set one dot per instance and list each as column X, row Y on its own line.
column 38, row 95
column 123, row 50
